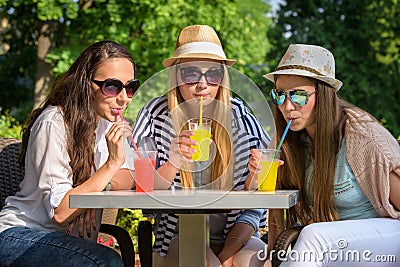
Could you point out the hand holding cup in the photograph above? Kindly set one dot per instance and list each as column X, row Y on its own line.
column 181, row 150
column 263, row 169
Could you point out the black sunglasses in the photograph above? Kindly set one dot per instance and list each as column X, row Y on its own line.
column 192, row 75
column 112, row 87
column 299, row 97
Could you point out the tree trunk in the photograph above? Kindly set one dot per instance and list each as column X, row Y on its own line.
column 44, row 72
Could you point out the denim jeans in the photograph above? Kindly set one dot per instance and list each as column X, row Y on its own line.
column 21, row 246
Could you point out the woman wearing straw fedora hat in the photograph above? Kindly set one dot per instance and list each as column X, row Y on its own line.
column 344, row 162
column 199, row 78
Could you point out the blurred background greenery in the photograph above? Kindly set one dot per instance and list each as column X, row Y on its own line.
column 39, row 39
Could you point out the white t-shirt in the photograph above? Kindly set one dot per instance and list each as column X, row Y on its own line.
column 48, row 175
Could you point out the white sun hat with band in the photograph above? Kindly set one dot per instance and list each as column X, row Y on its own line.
column 198, row 42
column 310, row 61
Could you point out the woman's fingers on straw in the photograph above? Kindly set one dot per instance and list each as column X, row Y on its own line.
column 111, row 132
column 120, row 128
column 127, row 130
column 115, row 132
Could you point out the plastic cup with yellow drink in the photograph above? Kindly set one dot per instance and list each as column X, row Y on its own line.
column 202, row 134
column 269, row 170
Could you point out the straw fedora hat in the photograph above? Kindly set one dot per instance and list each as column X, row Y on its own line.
column 310, row 61
column 198, row 42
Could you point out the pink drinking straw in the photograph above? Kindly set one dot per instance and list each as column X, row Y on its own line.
column 130, row 136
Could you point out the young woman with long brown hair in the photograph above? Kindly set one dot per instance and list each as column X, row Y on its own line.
column 73, row 143
column 344, row 162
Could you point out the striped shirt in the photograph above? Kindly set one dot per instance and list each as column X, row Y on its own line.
column 153, row 120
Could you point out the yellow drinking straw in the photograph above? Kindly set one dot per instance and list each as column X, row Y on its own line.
column 201, row 111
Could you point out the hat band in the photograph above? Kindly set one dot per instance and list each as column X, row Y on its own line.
column 300, row 67
column 200, row 48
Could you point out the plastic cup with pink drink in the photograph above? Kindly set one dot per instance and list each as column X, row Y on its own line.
column 144, row 162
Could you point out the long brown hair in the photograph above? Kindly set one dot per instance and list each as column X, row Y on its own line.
column 72, row 92
column 222, row 165
column 297, row 153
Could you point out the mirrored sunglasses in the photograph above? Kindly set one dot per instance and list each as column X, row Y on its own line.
column 192, row 75
column 111, row 87
column 299, row 97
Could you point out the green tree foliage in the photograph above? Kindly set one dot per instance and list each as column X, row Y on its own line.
column 21, row 23
column 149, row 28
column 9, row 127
column 17, row 66
column 364, row 38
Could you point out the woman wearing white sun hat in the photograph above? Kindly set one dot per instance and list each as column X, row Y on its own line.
column 198, row 69
column 344, row 162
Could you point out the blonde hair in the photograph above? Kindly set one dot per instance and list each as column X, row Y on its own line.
column 222, row 164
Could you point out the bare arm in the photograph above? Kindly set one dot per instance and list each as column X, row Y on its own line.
column 123, row 180
column 394, row 196
column 99, row 180
column 165, row 175
column 96, row 183
column 237, row 237
column 254, row 169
